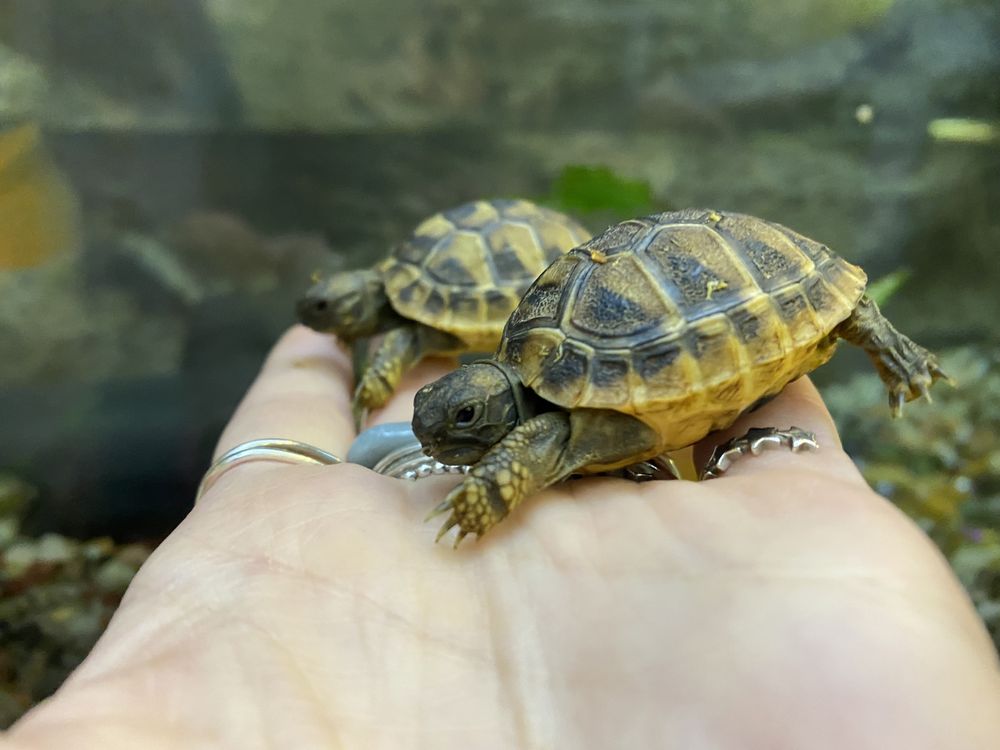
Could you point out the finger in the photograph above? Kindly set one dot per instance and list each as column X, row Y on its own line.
column 400, row 406
column 303, row 392
column 798, row 405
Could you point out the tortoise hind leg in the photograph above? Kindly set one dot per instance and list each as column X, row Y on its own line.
column 536, row 454
column 907, row 369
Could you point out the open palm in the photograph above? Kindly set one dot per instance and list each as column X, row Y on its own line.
column 784, row 605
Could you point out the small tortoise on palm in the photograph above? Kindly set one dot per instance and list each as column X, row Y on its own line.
column 446, row 290
column 643, row 340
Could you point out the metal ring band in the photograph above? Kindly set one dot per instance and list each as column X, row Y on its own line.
column 266, row 449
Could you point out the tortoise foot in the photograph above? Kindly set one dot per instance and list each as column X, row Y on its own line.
column 756, row 440
column 908, row 371
column 476, row 506
column 372, row 392
column 654, row 469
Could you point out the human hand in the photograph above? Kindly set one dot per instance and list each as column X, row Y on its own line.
column 783, row 605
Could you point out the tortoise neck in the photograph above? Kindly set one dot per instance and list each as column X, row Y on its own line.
column 379, row 313
column 523, row 407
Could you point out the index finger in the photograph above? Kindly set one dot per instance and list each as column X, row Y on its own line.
column 303, row 393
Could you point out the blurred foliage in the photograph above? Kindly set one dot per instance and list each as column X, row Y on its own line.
column 56, row 597
column 940, row 463
column 883, row 289
column 581, row 189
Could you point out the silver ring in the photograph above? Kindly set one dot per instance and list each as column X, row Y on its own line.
column 266, row 449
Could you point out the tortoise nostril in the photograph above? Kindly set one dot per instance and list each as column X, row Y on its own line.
column 320, row 305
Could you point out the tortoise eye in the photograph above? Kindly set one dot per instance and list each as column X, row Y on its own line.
column 465, row 416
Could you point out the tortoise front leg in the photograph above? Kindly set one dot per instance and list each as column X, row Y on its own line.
column 544, row 450
column 907, row 369
column 400, row 349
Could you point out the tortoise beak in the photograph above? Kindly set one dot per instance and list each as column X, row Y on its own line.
column 459, row 455
column 314, row 312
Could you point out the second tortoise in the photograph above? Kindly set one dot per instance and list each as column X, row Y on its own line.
column 643, row 340
column 445, row 290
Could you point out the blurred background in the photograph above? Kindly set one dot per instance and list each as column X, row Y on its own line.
column 172, row 171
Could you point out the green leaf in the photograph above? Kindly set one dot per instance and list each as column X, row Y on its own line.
column 589, row 189
column 883, row 289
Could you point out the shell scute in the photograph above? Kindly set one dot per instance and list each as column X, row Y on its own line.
column 761, row 332
column 621, row 237
column 565, row 371
column 703, row 272
column 515, row 251
column 434, row 227
column 474, row 215
column 542, row 302
column 457, row 261
column 463, row 271
column 609, row 380
column 684, row 319
column 617, row 299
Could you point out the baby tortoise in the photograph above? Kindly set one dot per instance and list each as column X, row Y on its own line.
column 643, row 340
column 446, row 290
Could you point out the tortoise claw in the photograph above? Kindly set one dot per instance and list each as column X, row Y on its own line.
column 442, row 507
column 896, row 401
column 924, row 391
column 938, row 374
column 459, row 537
column 475, row 505
column 446, row 527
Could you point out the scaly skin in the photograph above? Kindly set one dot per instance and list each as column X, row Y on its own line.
column 537, row 454
column 398, row 352
column 525, row 461
column 907, row 369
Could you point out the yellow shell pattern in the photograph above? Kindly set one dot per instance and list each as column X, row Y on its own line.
column 685, row 319
column 463, row 271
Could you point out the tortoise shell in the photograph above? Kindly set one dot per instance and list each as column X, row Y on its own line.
column 684, row 319
column 464, row 270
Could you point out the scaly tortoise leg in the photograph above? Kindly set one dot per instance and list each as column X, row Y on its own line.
column 907, row 369
column 544, row 450
column 399, row 350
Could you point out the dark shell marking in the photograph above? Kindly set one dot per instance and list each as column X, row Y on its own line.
column 679, row 307
column 464, row 270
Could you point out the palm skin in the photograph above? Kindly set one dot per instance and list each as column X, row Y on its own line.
column 784, row 605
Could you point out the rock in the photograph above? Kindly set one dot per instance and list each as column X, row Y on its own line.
column 123, row 64
column 15, row 496
column 18, row 557
column 8, row 532
column 23, row 87
column 53, row 548
column 54, row 328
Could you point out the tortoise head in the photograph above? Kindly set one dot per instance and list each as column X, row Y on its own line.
column 350, row 304
column 462, row 415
